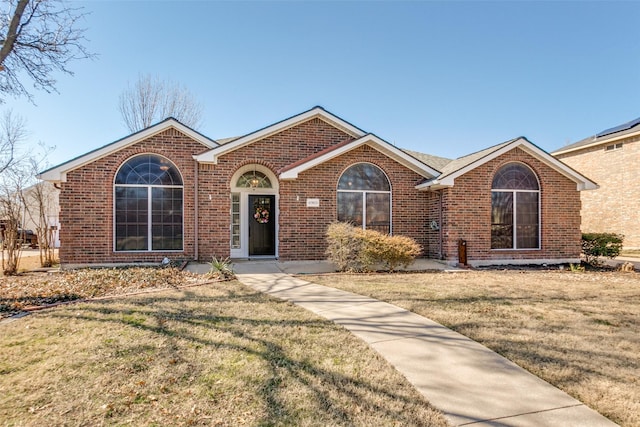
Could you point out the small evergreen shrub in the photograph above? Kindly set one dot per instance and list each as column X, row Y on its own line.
column 221, row 269
column 596, row 245
column 354, row 249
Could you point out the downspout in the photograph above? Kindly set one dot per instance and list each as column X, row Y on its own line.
column 440, row 222
column 196, row 210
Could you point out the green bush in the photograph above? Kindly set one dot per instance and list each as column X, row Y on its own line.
column 595, row 245
column 354, row 249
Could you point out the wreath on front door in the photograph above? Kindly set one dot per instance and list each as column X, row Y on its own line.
column 261, row 215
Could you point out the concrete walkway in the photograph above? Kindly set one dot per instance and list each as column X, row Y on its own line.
column 471, row 384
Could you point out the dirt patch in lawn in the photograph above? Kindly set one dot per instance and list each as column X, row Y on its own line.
column 216, row 354
column 578, row 331
column 29, row 260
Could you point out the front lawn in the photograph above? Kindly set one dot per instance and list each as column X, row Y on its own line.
column 578, row 331
column 215, row 354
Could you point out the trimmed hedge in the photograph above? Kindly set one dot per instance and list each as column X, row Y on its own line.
column 355, row 249
column 595, row 245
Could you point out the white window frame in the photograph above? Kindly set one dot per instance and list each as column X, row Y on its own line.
column 149, row 210
column 243, row 250
column 515, row 213
column 364, row 195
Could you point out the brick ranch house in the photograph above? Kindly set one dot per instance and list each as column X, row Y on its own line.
column 612, row 158
column 169, row 191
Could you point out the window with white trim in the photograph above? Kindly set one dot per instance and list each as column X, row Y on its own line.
column 148, row 199
column 364, row 197
column 515, row 208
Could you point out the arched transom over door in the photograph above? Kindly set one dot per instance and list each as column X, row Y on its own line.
column 364, row 197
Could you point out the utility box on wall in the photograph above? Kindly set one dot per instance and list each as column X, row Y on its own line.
column 462, row 252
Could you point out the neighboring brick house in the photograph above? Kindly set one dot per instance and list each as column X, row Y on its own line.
column 612, row 159
column 170, row 191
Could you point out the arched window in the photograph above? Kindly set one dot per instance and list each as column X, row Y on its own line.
column 364, row 197
column 253, row 179
column 515, row 208
column 148, row 205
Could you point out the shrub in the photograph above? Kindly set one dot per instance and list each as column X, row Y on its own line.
column 595, row 245
column 344, row 247
column 354, row 249
column 399, row 251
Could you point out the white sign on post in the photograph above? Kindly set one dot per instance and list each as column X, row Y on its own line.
column 313, row 203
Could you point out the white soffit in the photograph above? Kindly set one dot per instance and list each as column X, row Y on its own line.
column 316, row 112
column 448, row 180
column 372, row 141
column 59, row 173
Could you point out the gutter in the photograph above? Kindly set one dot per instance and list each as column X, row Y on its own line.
column 440, row 225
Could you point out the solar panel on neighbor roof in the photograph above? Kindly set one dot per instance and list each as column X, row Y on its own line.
column 619, row 128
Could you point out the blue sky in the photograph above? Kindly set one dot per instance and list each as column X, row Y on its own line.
column 444, row 78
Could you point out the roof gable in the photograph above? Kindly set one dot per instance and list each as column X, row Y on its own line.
column 59, row 173
column 465, row 164
column 212, row 156
column 292, row 171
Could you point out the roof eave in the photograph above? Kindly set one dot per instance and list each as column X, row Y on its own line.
column 316, row 112
column 58, row 174
column 582, row 182
column 433, row 185
column 376, row 143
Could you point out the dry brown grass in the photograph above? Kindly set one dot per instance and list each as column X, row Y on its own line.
column 631, row 253
column 578, row 331
column 218, row 354
column 37, row 289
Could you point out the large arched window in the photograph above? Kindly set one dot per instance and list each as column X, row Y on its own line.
column 364, row 197
column 515, row 208
column 148, row 205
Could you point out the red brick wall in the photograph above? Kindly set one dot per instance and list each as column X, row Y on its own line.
column 614, row 207
column 467, row 211
column 86, row 202
column 302, row 228
column 274, row 152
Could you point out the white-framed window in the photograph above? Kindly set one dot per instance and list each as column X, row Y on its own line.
column 515, row 208
column 235, row 221
column 148, row 205
column 364, row 197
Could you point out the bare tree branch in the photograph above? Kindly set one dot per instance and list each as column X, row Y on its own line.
column 151, row 100
column 38, row 38
column 12, row 132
